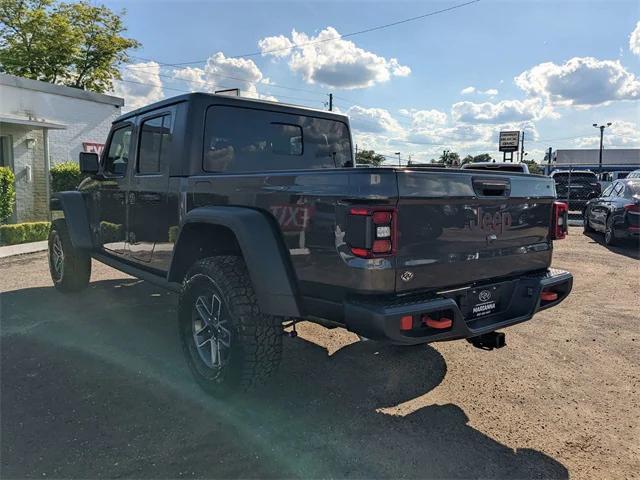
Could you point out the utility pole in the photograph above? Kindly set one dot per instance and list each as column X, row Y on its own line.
column 601, row 127
column 549, row 160
column 522, row 148
column 331, row 102
column 399, row 164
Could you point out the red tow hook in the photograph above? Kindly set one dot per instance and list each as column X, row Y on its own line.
column 548, row 296
column 441, row 324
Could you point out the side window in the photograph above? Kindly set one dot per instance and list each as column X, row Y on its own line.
column 118, row 153
column 607, row 191
column 155, row 135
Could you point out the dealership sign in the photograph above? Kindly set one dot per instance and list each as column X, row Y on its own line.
column 509, row 141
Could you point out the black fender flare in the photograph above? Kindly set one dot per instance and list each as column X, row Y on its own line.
column 267, row 260
column 73, row 205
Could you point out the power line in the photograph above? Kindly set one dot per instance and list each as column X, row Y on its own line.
column 189, row 91
column 333, row 39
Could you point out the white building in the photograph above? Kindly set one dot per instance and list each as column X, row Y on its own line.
column 41, row 125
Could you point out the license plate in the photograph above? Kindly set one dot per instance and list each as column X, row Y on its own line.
column 482, row 309
column 485, row 301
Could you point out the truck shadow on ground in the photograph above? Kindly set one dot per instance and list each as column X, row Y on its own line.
column 94, row 385
column 627, row 248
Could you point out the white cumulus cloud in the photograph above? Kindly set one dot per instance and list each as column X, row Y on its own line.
column 140, row 85
column 634, row 40
column 491, row 92
column 581, row 82
column 425, row 118
column 373, row 120
column 329, row 60
column 221, row 73
column 499, row 112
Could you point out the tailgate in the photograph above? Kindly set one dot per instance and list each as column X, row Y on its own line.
column 460, row 227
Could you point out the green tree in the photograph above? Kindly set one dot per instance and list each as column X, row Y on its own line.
column 450, row 159
column 369, row 157
column 75, row 44
column 467, row 159
column 533, row 166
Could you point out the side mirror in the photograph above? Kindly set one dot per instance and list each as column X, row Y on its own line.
column 88, row 162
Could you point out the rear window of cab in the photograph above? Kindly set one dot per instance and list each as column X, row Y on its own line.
column 239, row 139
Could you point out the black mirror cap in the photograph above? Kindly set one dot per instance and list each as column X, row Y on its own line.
column 88, row 162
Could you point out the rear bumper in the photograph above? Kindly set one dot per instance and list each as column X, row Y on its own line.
column 380, row 319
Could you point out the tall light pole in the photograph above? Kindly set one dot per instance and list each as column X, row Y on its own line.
column 399, row 164
column 601, row 127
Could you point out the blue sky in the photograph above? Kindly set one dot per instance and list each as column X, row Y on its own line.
column 452, row 80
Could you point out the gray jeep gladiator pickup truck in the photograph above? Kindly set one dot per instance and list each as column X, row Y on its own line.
column 253, row 211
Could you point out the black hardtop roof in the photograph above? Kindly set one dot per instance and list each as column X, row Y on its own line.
column 231, row 100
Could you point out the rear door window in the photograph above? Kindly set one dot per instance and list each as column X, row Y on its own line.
column 241, row 139
column 155, row 135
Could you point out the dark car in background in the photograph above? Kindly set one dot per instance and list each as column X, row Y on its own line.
column 616, row 212
column 576, row 188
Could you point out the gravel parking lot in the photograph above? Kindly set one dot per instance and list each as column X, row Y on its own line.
column 94, row 385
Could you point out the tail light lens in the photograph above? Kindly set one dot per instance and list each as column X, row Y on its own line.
column 632, row 207
column 371, row 232
column 559, row 220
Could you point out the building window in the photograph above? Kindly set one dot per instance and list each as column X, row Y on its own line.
column 155, row 135
column 6, row 150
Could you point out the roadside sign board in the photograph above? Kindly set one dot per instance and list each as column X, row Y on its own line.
column 509, row 141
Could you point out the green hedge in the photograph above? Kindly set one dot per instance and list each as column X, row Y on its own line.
column 7, row 193
column 65, row 176
column 24, row 232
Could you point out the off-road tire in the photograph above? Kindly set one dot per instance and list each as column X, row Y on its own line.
column 75, row 271
column 610, row 233
column 255, row 339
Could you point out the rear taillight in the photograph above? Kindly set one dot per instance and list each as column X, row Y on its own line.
column 632, row 208
column 559, row 220
column 371, row 232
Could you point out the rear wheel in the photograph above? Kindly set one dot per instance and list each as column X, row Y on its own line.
column 70, row 268
column 610, row 232
column 229, row 344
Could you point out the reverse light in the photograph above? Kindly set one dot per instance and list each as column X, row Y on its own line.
column 371, row 232
column 559, row 220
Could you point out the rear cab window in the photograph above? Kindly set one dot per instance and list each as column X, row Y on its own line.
column 239, row 139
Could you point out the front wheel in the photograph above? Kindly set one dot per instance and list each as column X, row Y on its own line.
column 70, row 268
column 229, row 344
